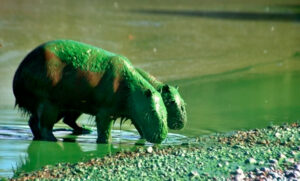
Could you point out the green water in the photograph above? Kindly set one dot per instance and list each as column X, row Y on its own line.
column 237, row 65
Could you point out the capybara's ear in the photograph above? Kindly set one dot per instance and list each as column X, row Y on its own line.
column 148, row 93
column 166, row 88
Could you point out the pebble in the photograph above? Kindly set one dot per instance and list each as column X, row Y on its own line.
column 251, row 161
column 282, row 156
column 239, row 177
column 290, row 160
column 273, row 161
column 149, row 149
column 194, row 173
column 297, row 167
column 260, row 173
column 274, row 175
column 239, row 171
column 290, row 174
column 264, row 169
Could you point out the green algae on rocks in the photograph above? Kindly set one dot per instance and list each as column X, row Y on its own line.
column 270, row 153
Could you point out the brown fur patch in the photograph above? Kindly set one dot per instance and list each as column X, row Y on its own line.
column 116, row 83
column 93, row 78
column 54, row 67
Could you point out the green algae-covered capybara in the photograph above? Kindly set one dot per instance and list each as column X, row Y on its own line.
column 175, row 105
column 63, row 77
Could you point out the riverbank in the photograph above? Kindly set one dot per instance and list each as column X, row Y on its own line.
column 272, row 152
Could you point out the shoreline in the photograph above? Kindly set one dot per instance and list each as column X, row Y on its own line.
column 272, row 152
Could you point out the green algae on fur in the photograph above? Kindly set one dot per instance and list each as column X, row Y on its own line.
column 68, row 77
column 91, row 59
column 175, row 105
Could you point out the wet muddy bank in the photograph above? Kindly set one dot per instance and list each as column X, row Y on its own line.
column 272, row 152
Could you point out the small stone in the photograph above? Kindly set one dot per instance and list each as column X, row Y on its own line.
column 290, row 160
column 277, row 135
column 274, row 175
column 239, row 171
column 261, row 162
column 297, row 174
column 273, row 161
column 264, row 169
column 149, row 149
column 239, row 177
column 282, row 156
column 251, row 161
column 290, row 175
column 263, row 142
column 259, row 173
column 297, row 167
column 194, row 173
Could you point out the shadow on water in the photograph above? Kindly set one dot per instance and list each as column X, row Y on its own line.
column 245, row 16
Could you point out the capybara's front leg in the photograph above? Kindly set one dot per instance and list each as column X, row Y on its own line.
column 34, row 126
column 138, row 129
column 104, row 125
column 47, row 117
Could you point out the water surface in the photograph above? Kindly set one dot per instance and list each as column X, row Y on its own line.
column 237, row 65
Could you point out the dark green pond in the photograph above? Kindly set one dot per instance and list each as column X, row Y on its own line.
column 237, row 65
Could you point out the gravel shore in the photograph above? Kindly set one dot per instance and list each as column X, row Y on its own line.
column 271, row 153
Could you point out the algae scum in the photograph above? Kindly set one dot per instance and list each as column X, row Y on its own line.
column 272, row 153
column 236, row 64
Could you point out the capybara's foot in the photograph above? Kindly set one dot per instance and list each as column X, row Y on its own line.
column 36, row 138
column 103, row 140
column 47, row 135
column 81, row 130
column 49, row 138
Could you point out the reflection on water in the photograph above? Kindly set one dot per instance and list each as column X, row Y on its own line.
column 236, row 62
column 19, row 153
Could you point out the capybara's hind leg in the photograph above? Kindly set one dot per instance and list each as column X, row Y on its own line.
column 48, row 117
column 34, row 126
column 70, row 119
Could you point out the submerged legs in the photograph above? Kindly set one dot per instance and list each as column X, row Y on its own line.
column 34, row 126
column 104, row 125
column 47, row 117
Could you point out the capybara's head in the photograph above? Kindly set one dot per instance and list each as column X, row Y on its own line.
column 149, row 113
column 175, row 107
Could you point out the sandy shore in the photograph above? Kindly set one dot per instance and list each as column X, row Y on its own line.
column 273, row 153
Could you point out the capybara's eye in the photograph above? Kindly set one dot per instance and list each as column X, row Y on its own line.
column 182, row 108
